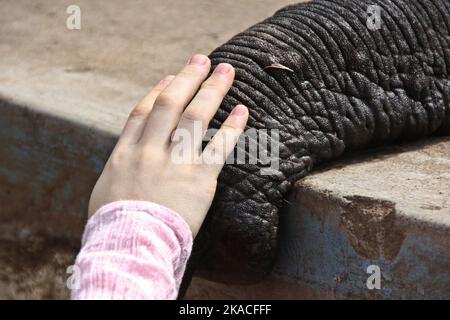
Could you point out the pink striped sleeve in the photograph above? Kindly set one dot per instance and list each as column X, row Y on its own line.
column 132, row 250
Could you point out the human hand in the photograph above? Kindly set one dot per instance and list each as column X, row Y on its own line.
column 143, row 165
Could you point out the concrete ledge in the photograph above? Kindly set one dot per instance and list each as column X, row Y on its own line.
column 387, row 209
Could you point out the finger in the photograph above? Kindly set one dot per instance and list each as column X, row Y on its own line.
column 137, row 119
column 223, row 143
column 199, row 112
column 170, row 104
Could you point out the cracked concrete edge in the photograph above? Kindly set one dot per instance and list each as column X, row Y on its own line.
column 327, row 241
column 412, row 180
column 88, row 98
column 377, row 209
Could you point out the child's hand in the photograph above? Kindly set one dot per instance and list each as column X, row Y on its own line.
column 142, row 165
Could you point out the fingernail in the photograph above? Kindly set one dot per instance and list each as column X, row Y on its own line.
column 239, row 110
column 198, row 59
column 223, row 68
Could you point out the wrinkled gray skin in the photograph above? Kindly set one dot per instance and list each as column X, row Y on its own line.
column 349, row 88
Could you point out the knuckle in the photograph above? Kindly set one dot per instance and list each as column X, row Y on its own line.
column 117, row 158
column 157, row 90
column 149, row 156
column 213, row 88
column 189, row 72
column 139, row 162
column 192, row 115
column 165, row 99
column 193, row 71
column 139, row 111
column 146, row 153
column 163, row 82
column 228, row 128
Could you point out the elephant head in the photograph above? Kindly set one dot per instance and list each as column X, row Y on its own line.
column 329, row 81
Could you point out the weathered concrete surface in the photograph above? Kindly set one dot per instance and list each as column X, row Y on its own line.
column 387, row 209
column 97, row 74
column 64, row 96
